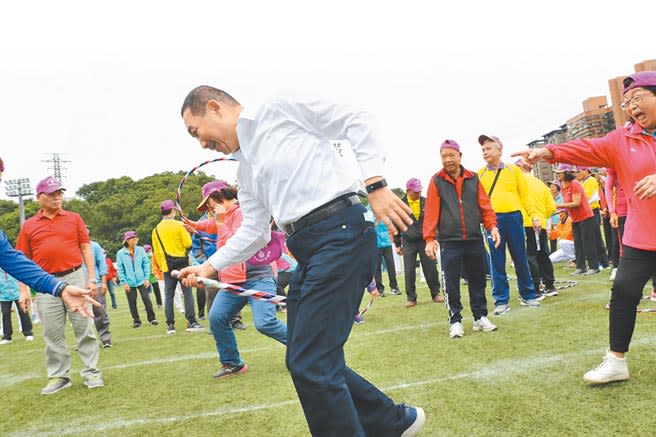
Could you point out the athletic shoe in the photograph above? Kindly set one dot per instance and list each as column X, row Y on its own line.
column 653, row 296
column 611, row 369
column 591, row 272
column 107, row 344
column 201, row 317
column 94, row 381
column 358, row 319
column 438, row 298
column 456, row 330
column 613, row 273
column 29, row 338
column 154, row 322
column 230, row 369
column 194, row 327
column 414, row 420
column 531, row 303
column 5, row 341
column 55, row 384
column 137, row 325
column 540, row 297
column 410, row 303
column 484, row 324
column 382, row 294
column 501, row 309
column 171, row 329
column 578, row 272
column 550, row 292
column 395, row 291
column 239, row 325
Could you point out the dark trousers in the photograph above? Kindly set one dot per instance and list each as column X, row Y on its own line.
column 616, row 241
column 538, row 259
column 283, row 282
column 602, row 255
column 386, row 254
column 585, row 246
column 112, row 294
column 410, row 251
column 608, row 235
column 157, row 293
column 635, row 269
column 553, row 246
column 201, row 299
column 469, row 256
column 25, row 320
column 170, row 283
column 132, row 303
column 336, row 260
column 101, row 318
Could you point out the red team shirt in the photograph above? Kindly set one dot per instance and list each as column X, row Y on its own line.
column 583, row 211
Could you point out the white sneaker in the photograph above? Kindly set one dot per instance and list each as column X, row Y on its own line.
column 457, row 330
column 501, row 309
column 484, row 324
column 5, row 341
column 613, row 272
column 29, row 338
column 531, row 303
column 611, row 369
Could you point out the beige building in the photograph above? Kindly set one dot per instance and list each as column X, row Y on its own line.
column 615, row 85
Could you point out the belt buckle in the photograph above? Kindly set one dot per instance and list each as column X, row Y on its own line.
column 289, row 229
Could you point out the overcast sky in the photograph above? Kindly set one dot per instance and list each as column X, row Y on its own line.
column 103, row 83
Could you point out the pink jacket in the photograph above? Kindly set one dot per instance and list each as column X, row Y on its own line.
column 632, row 155
column 616, row 204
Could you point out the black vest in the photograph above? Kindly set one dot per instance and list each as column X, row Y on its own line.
column 449, row 227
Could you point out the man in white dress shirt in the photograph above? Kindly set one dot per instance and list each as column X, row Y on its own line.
column 290, row 168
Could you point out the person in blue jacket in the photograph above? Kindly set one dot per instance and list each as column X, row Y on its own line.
column 134, row 271
column 10, row 294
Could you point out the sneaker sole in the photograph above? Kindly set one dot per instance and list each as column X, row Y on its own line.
column 417, row 425
column 94, row 386
column 500, row 313
column 170, row 332
column 598, row 382
column 67, row 385
column 484, row 330
column 194, row 329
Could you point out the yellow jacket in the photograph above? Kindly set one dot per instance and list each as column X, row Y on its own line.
column 175, row 238
column 540, row 200
column 591, row 186
column 511, row 191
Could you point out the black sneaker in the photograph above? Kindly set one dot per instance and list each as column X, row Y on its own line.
column 230, row 369
column 194, row 327
column 170, row 330
column 413, row 421
column 154, row 322
column 239, row 325
column 395, row 291
column 107, row 344
column 137, row 325
column 550, row 292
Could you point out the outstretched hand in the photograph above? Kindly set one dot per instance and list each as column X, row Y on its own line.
column 78, row 299
column 391, row 210
column 189, row 275
column 534, row 155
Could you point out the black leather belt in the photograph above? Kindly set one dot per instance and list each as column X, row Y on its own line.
column 321, row 213
column 66, row 272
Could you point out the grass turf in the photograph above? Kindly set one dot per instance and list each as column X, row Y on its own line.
column 523, row 379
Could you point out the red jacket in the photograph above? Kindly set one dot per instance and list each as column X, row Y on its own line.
column 632, row 155
column 111, row 271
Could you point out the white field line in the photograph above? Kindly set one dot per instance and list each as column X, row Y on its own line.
column 490, row 371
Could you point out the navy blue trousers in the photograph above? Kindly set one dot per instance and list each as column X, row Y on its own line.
column 336, row 260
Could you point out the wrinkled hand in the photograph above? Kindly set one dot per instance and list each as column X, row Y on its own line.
column 537, row 226
column 431, row 249
column 25, row 299
column 399, row 251
column 126, row 287
column 534, row 155
column 189, row 275
column 646, row 187
column 375, row 293
column 78, row 299
column 219, row 210
column 391, row 210
column 614, row 220
column 496, row 237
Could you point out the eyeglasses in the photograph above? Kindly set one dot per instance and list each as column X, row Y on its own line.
column 634, row 101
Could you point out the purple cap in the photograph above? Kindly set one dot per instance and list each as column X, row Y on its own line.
column 413, row 184
column 483, row 138
column 148, row 248
column 639, row 80
column 167, row 205
column 450, row 144
column 129, row 234
column 208, row 189
column 562, row 168
column 48, row 186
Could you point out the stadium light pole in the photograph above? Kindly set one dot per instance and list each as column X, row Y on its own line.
column 19, row 188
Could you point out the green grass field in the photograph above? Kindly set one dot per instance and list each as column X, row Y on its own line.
column 524, row 379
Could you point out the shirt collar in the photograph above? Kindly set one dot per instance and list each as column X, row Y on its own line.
column 41, row 215
column 492, row 168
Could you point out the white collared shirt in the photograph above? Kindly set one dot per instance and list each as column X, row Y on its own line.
column 290, row 162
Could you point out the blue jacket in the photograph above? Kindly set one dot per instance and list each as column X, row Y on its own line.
column 8, row 287
column 201, row 249
column 99, row 261
column 134, row 273
column 25, row 270
column 382, row 233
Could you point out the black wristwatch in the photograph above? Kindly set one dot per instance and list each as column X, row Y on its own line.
column 376, row 185
column 60, row 288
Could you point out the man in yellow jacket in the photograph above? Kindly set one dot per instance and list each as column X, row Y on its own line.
column 506, row 186
column 542, row 203
column 171, row 243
